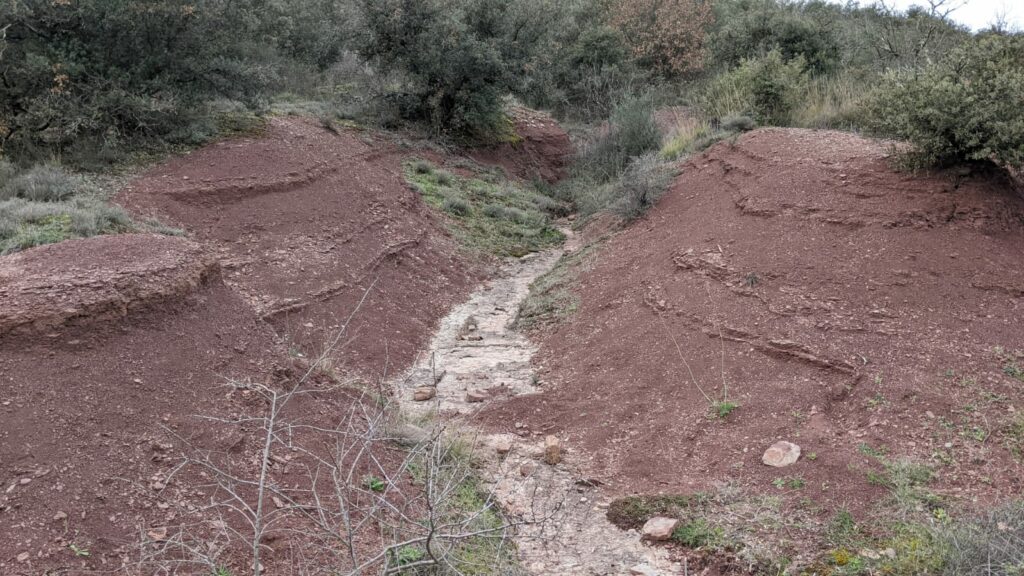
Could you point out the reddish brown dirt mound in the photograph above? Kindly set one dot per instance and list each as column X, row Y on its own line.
column 102, row 278
column 116, row 353
column 542, row 150
column 848, row 308
column 305, row 221
column 89, row 413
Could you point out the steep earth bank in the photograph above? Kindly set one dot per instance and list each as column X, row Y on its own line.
column 867, row 315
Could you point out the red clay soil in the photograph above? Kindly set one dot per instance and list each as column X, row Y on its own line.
column 116, row 353
column 846, row 307
column 541, row 151
column 40, row 292
column 129, row 340
column 305, row 222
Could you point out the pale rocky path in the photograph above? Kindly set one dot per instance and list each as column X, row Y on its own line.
column 475, row 351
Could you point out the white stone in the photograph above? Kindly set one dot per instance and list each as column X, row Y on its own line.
column 659, row 528
column 781, row 454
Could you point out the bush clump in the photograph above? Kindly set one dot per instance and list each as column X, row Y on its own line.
column 631, row 132
column 42, row 183
column 766, row 89
column 85, row 78
column 968, row 107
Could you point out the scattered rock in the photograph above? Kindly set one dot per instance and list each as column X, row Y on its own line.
column 158, row 534
column 643, row 570
column 552, row 450
column 503, row 446
column 526, row 469
column 659, row 528
column 60, row 516
column 475, row 396
column 424, row 393
column 781, row 454
column 23, row 557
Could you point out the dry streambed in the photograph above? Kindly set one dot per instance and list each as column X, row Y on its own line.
column 475, row 358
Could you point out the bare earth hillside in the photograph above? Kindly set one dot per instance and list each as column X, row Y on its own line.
column 864, row 314
column 305, row 221
column 122, row 356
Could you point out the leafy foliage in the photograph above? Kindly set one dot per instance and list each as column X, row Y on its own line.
column 752, row 28
column 667, row 35
column 766, row 88
column 93, row 74
column 969, row 107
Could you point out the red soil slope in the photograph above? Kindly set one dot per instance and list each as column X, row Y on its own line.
column 116, row 352
column 844, row 305
column 120, row 341
column 305, row 222
column 542, row 149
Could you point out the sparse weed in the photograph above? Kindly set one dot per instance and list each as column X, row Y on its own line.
column 793, row 483
column 43, row 183
column 723, row 408
column 79, row 551
column 374, row 484
column 456, row 207
column 551, row 298
column 696, row 534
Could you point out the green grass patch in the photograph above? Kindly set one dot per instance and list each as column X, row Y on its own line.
column 24, row 223
column 696, row 534
column 487, row 213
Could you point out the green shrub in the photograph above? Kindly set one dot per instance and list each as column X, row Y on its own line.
column 42, row 183
column 88, row 77
column 595, row 71
column 7, row 172
column 766, row 89
column 450, row 53
column 969, row 107
column 642, row 183
column 496, row 211
column 748, row 29
column 631, row 132
column 738, row 123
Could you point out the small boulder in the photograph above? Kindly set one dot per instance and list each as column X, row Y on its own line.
column 424, row 393
column 526, row 469
column 503, row 446
column 659, row 528
column 781, row 454
column 477, row 396
column 552, row 450
column 643, row 570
